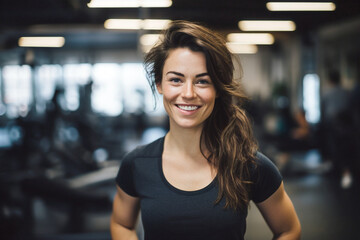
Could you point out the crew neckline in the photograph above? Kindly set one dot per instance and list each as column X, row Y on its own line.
column 175, row 189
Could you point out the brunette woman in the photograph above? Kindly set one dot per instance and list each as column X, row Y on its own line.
column 198, row 180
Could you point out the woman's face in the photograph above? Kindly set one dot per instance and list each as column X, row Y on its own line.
column 188, row 92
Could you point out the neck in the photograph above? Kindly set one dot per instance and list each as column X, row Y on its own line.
column 184, row 141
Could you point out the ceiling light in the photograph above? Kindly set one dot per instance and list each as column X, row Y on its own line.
column 149, row 39
column 267, row 25
column 300, row 6
column 155, row 24
column 123, row 24
column 156, row 3
column 241, row 48
column 129, row 3
column 136, row 24
column 251, row 38
column 41, row 41
column 146, row 48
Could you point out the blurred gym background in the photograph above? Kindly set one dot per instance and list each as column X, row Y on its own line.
column 74, row 99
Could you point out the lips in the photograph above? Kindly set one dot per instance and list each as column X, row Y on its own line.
column 188, row 107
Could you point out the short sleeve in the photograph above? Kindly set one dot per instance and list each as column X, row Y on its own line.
column 266, row 178
column 125, row 177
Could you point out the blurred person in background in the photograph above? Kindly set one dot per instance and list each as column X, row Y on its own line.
column 338, row 128
column 54, row 114
column 198, row 180
column 297, row 137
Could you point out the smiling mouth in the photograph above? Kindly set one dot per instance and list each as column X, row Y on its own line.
column 188, row 107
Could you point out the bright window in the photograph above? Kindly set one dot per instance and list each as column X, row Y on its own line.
column 75, row 75
column 311, row 97
column 17, row 90
column 137, row 92
column 106, row 95
column 47, row 78
column 121, row 88
column 2, row 106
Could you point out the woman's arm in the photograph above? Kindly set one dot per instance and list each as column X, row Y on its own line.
column 279, row 213
column 124, row 216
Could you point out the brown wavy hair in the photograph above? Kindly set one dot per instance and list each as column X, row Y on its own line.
column 227, row 133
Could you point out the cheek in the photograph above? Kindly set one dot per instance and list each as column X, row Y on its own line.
column 169, row 93
column 209, row 96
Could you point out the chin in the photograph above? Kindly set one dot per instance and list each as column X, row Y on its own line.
column 188, row 125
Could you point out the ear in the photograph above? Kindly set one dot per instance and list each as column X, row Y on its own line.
column 159, row 88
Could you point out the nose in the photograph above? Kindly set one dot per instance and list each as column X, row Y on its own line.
column 188, row 90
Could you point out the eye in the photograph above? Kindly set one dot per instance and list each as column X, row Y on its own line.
column 175, row 80
column 203, row 81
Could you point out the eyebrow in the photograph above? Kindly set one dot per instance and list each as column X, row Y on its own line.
column 182, row 75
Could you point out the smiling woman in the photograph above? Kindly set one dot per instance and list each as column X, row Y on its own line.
column 188, row 93
column 198, row 180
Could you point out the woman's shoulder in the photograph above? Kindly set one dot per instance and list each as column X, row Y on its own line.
column 266, row 178
column 261, row 158
column 264, row 166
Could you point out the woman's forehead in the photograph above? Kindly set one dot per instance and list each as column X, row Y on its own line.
column 184, row 59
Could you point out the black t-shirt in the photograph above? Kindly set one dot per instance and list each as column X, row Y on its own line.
column 171, row 213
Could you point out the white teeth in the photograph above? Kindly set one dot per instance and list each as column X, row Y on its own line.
column 188, row 108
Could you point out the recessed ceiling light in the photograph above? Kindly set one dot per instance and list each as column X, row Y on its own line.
column 41, row 41
column 136, row 24
column 241, row 48
column 251, row 38
column 129, row 3
column 257, row 25
column 149, row 39
column 300, row 6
